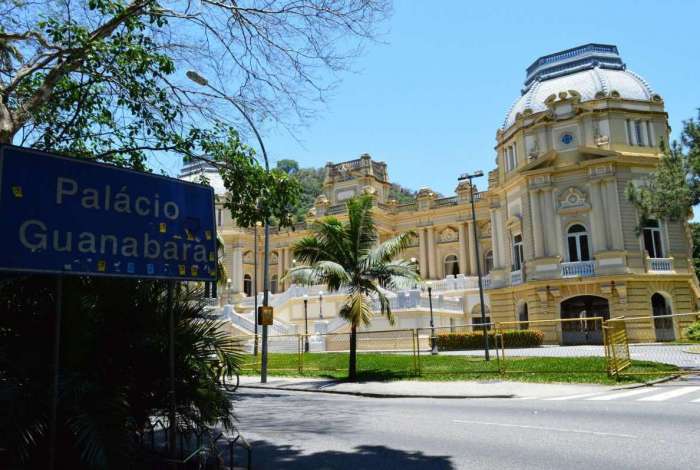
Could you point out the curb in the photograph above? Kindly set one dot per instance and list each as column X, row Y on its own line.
column 375, row 395
column 651, row 383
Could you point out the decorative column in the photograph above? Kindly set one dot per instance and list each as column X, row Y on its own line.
column 546, row 229
column 614, row 217
column 557, row 226
column 463, row 244
column 422, row 254
column 597, row 219
column 495, row 236
column 432, row 266
column 237, row 269
column 280, row 265
column 472, row 248
column 537, row 225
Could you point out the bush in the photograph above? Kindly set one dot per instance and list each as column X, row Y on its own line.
column 475, row 340
column 693, row 331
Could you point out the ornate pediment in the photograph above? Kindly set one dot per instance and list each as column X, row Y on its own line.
column 573, row 200
column 448, row 235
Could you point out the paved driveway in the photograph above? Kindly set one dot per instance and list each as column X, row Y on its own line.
column 675, row 354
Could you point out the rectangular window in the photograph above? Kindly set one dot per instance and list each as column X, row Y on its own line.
column 517, row 252
column 585, row 255
column 638, row 133
column 650, row 136
column 218, row 217
column 652, row 242
column 629, row 132
column 573, row 251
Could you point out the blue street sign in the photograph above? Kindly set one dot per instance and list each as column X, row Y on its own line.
column 72, row 216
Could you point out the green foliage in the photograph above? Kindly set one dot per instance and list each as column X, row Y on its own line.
column 346, row 255
column 475, row 340
column 402, row 195
column 114, row 367
column 310, row 181
column 693, row 331
column 674, row 188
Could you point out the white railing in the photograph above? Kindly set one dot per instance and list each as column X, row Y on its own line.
column 578, row 269
column 516, row 277
column 485, row 282
column 661, row 264
column 459, row 282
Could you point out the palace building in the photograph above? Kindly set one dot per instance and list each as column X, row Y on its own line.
column 557, row 236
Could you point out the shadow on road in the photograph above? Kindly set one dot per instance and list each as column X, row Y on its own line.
column 269, row 456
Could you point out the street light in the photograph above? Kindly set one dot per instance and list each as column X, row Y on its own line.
column 470, row 177
column 433, row 343
column 320, row 305
column 258, row 224
column 306, row 322
column 200, row 80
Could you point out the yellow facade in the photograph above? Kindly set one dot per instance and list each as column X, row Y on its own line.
column 558, row 238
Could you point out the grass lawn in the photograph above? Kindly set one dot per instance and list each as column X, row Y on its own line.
column 373, row 366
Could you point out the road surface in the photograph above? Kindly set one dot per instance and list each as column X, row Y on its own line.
column 648, row 428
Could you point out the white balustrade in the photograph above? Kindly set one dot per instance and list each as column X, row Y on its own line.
column 516, row 277
column 578, row 269
column 660, row 264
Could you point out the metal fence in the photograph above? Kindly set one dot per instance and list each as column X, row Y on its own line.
column 599, row 346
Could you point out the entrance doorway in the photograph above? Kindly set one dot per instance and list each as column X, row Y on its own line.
column 583, row 331
column 663, row 326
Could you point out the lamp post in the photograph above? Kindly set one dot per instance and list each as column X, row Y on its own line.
column 258, row 224
column 200, row 80
column 433, row 343
column 320, row 305
column 470, row 177
column 306, row 323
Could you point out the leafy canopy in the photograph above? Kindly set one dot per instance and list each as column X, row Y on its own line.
column 348, row 255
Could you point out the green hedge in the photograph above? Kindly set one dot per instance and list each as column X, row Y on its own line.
column 511, row 338
column 693, row 331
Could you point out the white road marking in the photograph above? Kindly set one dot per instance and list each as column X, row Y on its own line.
column 629, row 393
column 545, row 428
column 677, row 392
column 574, row 397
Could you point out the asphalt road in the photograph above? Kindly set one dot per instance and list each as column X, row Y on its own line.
column 655, row 428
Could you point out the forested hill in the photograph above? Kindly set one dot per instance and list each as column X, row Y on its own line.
column 311, row 180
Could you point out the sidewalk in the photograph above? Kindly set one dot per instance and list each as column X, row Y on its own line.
column 423, row 389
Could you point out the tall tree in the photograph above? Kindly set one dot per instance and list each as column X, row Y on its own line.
column 105, row 79
column 347, row 256
column 672, row 190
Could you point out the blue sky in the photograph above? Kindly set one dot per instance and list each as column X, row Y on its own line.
column 429, row 100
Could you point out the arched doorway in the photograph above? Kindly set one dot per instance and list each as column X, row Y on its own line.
column 476, row 317
column 663, row 326
column 523, row 316
column 247, row 285
column 583, row 331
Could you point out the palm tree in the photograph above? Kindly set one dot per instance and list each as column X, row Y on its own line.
column 348, row 255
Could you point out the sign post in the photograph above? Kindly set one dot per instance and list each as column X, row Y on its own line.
column 69, row 216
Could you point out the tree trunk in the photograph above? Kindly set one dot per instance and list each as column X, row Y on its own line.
column 352, row 371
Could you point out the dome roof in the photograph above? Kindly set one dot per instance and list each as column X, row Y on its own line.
column 593, row 70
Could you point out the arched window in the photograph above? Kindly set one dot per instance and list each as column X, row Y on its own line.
column 652, row 239
column 488, row 262
column 451, row 265
column 523, row 316
column 247, row 285
column 273, row 284
column 577, row 239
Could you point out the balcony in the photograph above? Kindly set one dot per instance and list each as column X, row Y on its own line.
column 660, row 265
column 516, row 277
column 578, row 269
